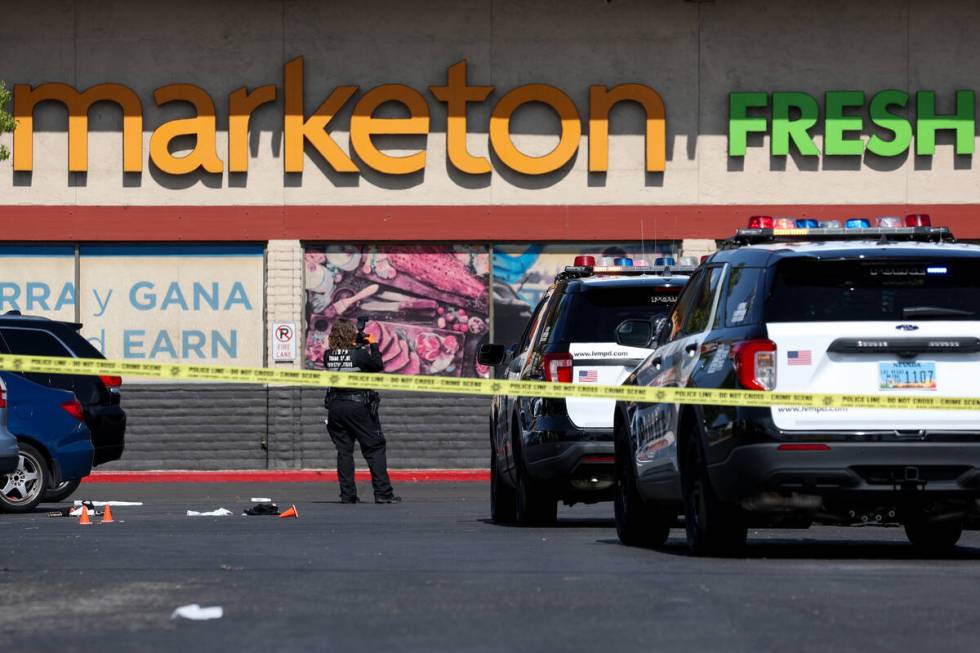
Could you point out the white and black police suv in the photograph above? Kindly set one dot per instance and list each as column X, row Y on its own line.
column 593, row 325
column 801, row 306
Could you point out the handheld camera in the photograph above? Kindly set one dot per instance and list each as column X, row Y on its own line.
column 362, row 337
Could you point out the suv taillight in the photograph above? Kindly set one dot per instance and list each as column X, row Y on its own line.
column 755, row 364
column 111, row 381
column 74, row 408
column 557, row 368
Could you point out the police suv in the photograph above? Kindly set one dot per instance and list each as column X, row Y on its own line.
column 801, row 306
column 543, row 451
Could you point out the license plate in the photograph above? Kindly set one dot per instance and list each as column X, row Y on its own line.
column 907, row 376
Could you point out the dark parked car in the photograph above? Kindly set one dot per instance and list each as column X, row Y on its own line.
column 889, row 311
column 54, row 445
column 99, row 395
column 543, row 451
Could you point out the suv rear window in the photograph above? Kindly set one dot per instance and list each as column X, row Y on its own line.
column 808, row 290
column 593, row 315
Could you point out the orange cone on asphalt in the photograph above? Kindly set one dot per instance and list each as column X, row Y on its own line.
column 107, row 515
column 84, row 520
column 292, row 512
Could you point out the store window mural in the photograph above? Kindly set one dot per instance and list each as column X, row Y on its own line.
column 523, row 272
column 427, row 305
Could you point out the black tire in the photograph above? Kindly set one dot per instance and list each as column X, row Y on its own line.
column 503, row 498
column 536, row 506
column 61, row 492
column 714, row 528
column 23, row 489
column 637, row 522
column 933, row 537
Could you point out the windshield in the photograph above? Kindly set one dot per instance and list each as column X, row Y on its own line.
column 811, row 290
column 593, row 315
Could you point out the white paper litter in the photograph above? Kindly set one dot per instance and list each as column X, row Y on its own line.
column 254, row 500
column 196, row 613
column 110, row 503
column 77, row 512
column 220, row 512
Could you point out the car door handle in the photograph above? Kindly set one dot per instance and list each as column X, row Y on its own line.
column 657, row 362
column 692, row 348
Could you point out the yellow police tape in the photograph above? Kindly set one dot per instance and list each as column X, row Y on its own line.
column 470, row 386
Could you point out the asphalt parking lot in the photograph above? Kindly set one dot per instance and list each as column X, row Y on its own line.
column 434, row 575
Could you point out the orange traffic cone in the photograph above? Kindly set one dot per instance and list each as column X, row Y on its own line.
column 84, row 520
column 107, row 515
column 292, row 512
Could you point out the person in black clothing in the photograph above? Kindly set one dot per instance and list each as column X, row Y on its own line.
column 353, row 414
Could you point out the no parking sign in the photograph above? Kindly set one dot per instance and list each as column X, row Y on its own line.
column 283, row 342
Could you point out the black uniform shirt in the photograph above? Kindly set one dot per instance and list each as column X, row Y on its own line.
column 360, row 359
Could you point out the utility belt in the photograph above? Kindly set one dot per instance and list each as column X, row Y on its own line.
column 361, row 396
column 368, row 398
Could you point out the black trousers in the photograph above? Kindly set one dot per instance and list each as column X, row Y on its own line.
column 350, row 421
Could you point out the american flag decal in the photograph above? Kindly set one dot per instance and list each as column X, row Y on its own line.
column 588, row 376
column 798, row 357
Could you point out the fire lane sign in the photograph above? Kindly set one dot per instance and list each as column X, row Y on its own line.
column 283, row 336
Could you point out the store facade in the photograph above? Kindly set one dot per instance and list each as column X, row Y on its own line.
column 192, row 181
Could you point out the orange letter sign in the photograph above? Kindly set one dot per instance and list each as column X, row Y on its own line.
column 241, row 104
column 297, row 131
column 571, row 129
column 363, row 126
column 601, row 100
column 78, row 105
column 203, row 127
column 456, row 94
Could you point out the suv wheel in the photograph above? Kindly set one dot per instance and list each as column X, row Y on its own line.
column 62, row 491
column 503, row 499
column 713, row 527
column 637, row 522
column 22, row 489
column 535, row 505
column 933, row 537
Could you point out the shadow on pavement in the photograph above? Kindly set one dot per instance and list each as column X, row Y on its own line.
column 579, row 522
column 809, row 548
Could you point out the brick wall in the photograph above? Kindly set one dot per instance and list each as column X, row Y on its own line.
column 221, row 426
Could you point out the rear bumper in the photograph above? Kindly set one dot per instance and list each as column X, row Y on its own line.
column 558, row 453
column 851, row 470
column 108, row 427
column 72, row 462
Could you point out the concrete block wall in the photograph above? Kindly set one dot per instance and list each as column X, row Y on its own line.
column 221, row 426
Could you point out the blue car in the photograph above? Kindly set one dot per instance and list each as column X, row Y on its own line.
column 53, row 441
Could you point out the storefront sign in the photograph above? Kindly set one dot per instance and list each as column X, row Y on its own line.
column 790, row 118
column 300, row 130
column 174, row 303
column 38, row 280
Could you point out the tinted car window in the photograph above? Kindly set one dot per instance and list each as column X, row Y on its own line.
column 741, row 293
column 685, row 302
column 809, row 290
column 35, row 342
column 697, row 320
column 593, row 315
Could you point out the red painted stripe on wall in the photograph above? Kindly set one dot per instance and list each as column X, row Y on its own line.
column 286, row 476
column 429, row 223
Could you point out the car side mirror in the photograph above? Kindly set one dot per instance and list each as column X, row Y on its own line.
column 491, row 354
column 634, row 333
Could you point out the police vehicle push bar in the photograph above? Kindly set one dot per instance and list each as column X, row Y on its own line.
column 473, row 386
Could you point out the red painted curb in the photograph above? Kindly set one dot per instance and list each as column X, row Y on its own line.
column 286, row 476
